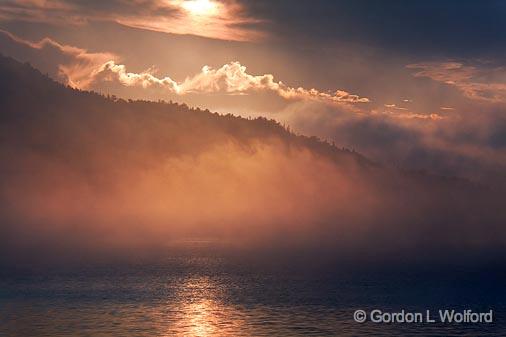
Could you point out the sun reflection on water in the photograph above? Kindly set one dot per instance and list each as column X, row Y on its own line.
column 200, row 318
column 201, row 311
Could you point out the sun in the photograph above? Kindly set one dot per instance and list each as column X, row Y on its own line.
column 200, row 7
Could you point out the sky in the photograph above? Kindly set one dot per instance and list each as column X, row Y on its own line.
column 418, row 84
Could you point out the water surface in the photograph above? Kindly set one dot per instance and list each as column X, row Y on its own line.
column 199, row 294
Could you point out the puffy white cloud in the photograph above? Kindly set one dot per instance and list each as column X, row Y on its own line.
column 231, row 78
column 110, row 71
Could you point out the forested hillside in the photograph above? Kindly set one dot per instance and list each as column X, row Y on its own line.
column 88, row 173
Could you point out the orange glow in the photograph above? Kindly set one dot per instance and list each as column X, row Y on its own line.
column 201, row 312
column 207, row 18
column 201, row 7
column 200, row 308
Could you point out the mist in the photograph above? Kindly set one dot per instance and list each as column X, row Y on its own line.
column 89, row 177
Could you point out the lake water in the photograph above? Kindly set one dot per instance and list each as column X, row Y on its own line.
column 199, row 294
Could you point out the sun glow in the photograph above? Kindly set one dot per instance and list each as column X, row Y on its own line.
column 200, row 7
column 224, row 20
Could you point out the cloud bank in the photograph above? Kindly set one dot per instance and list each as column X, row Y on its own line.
column 84, row 70
column 231, row 78
column 455, row 143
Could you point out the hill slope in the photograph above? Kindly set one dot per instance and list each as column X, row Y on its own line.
column 82, row 172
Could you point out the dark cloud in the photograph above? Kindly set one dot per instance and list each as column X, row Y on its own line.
column 66, row 11
column 430, row 27
column 416, row 28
